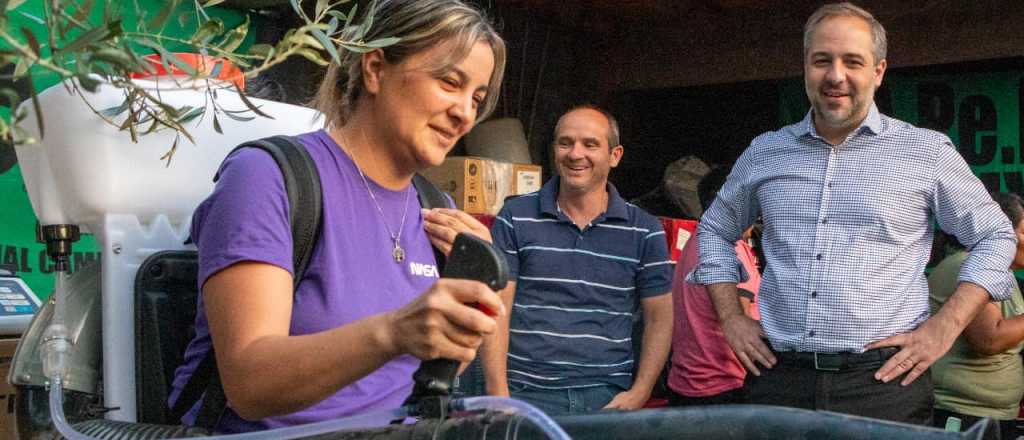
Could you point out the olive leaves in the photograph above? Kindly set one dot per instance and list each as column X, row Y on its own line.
column 87, row 43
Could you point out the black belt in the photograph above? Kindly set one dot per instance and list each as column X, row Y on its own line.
column 837, row 361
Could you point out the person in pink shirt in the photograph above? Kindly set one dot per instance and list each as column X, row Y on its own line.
column 704, row 370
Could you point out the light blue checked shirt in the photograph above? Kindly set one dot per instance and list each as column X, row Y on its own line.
column 848, row 230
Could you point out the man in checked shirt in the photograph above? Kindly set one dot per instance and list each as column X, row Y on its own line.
column 849, row 197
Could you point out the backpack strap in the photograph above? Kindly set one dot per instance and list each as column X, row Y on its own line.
column 430, row 196
column 305, row 200
column 305, row 214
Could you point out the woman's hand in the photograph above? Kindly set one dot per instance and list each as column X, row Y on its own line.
column 443, row 225
column 443, row 323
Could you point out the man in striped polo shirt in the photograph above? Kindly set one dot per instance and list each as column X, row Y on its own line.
column 584, row 262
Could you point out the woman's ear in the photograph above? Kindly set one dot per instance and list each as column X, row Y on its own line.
column 372, row 64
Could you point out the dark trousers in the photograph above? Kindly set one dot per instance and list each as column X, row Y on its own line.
column 734, row 397
column 850, row 392
column 1007, row 428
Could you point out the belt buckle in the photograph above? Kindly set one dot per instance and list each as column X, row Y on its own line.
column 817, row 366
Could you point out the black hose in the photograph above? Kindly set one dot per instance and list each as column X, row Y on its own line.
column 114, row 430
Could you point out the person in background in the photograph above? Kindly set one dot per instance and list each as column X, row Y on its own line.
column 584, row 261
column 347, row 339
column 703, row 369
column 849, row 199
column 982, row 374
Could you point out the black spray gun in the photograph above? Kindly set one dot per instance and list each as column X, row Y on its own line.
column 470, row 259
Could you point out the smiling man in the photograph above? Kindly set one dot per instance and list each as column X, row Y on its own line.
column 849, row 197
column 584, row 262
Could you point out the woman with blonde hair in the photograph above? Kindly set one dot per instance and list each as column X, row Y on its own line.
column 347, row 339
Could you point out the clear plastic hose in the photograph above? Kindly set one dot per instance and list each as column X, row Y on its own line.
column 56, row 351
column 518, row 407
column 57, row 412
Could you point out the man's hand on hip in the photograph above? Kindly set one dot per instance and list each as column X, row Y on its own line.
column 920, row 348
column 745, row 335
column 742, row 333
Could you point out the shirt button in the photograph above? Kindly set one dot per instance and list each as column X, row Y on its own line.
column 830, row 184
column 814, row 294
column 818, row 256
column 824, row 221
column 810, row 333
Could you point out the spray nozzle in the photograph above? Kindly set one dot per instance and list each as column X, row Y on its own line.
column 58, row 239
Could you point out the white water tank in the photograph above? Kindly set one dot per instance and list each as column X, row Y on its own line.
column 84, row 167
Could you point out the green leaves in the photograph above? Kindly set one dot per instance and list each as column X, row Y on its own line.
column 168, row 59
column 321, row 5
column 113, row 112
column 32, row 41
column 86, row 43
column 234, row 38
column 161, row 17
column 211, row 28
column 250, row 105
column 95, row 35
column 326, row 43
column 11, row 4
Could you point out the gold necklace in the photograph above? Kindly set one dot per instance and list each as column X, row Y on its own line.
column 396, row 252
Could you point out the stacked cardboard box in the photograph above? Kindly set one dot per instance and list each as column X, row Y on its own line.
column 480, row 186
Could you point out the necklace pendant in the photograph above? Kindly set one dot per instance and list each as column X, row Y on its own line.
column 398, row 253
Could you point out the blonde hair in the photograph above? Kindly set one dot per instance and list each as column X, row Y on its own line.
column 420, row 25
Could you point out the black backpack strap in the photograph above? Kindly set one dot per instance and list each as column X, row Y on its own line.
column 430, row 196
column 194, row 388
column 302, row 184
column 305, row 214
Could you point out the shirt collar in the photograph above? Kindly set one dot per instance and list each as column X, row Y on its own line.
column 872, row 123
column 549, row 201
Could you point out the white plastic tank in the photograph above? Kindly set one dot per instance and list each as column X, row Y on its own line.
column 88, row 172
column 84, row 167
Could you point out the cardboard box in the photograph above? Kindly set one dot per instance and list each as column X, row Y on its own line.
column 480, row 186
column 8, row 427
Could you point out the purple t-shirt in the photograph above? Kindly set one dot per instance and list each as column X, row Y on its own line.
column 351, row 275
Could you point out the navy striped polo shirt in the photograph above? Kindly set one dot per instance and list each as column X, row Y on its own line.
column 577, row 290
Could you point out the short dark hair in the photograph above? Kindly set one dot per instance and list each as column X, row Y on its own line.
column 879, row 40
column 1012, row 205
column 709, row 185
column 613, row 125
